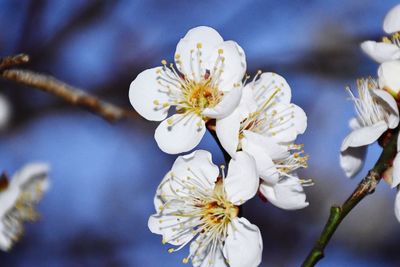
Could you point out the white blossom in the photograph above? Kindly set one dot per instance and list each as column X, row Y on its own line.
column 17, row 200
column 5, row 112
column 389, row 48
column 377, row 112
column 389, row 77
column 196, row 205
column 205, row 84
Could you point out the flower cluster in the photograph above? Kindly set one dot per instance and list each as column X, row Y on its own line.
column 17, row 198
column 256, row 125
column 377, row 104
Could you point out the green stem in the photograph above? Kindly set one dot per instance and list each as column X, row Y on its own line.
column 365, row 187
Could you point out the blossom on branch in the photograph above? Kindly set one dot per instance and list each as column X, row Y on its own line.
column 377, row 112
column 17, row 200
column 204, row 84
column 197, row 204
column 265, row 124
column 389, row 48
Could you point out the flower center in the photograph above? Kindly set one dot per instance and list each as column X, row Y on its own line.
column 200, row 95
column 393, row 39
column 218, row 211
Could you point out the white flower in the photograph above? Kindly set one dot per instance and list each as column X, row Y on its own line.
column 17, row 199
column 397, row 205
column 265, row 124
column 206, row 85
column 389, row 77
column 389, row 48
column 5, row 112
column 195, row 205
column 377, row 112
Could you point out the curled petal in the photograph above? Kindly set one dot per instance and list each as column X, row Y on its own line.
column 242, row 181
column 381, row 52
column 148, row 97
column 243, row 236
column 352, row 160
column 180, row 133
column 227, row 65
column 389, row 78
column 227, row 105
column 390, row 102
column 287, row 194
column 194, row 48
column 391, row 23
column 364, row 136
column 227, row 130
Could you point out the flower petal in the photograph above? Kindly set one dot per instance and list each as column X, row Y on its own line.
column 267, row 85
column 145, row 92
column 364, row 136
column 397, row 205
column 203, row 256
column 243, row 237
column 227, row 130
column 180, row 133
column 389, row 78
column 352, row 160
column 391, row 23
column 227, row 65
column 396, row 171
column 227, row 105
column 242, row 181
column 289, row 121
column 287, row 194
column 381, row 52
column 388, row 100
column 189, row 57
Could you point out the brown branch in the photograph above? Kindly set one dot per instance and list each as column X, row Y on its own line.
column 364, row 188
column 11, row 61
column 70, row 94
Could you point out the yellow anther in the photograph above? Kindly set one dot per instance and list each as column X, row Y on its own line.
column 164, row 62
column 199, row 45
column 177, row 56
column 163, row 241
column 185, row 260
column 155, row 102
column 170, row 121
column 170, row 250
column 220, row 51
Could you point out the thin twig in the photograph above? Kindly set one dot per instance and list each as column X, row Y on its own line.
column 364, row 188
column 11, row 61
column 67, row 92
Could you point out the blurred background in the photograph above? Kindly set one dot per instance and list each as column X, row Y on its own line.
column 104, row 175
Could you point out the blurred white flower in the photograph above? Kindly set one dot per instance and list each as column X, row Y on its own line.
column 389, row 48
column 195, row 205
column 206, row 83
column 5, row 112
column 17, row 200
column 389, row 77
column 377, row 112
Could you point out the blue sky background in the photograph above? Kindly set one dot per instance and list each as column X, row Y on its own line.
column 104, row 176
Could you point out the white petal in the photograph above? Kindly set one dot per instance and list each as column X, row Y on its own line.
column 389, row 78
column 381, row 52
column 233, row 66
column 243, row 245
column 227, row 130
column 5, row 112
column 227, row 105
column 267, row 85
column 288, row 194
column 398, row 143
column 354, row 124
column 180, row 133
column 391, row 23
column 290, row 121
column 242, row 180
column 168, row 227
column 188, row 62
column 30, row 173
column 203, row 256
column 364, row 136
column 390, row 102
column 397, row 206
column 145, row 91
column 352, row 160
column 396, row 171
